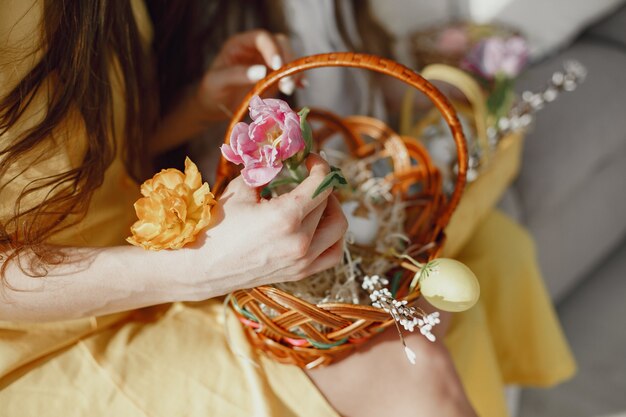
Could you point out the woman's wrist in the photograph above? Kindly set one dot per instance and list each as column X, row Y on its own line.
column 183, row 275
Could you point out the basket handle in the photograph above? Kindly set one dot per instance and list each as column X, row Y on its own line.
column 374, row 63
column 468, row 87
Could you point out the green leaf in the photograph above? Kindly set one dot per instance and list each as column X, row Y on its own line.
column 281, row 182
column 499, row 99
column 307, row 133
column 266, row 192
column 333, row 179
column 395, row 283
column 425, row 271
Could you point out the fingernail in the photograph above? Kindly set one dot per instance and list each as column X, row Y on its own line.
column 276, row 62
column 305, row 83
column 256, row 72
column 287, row 86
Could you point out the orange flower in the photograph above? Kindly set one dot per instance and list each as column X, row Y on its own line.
column 175, row 207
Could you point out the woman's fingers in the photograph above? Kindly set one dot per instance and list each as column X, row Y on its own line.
column 325, row 247
column 269, row 48
column 301, row 197
column 238, row 190
column 251, row 47
column 245, row 58
column 287, row 85
column 318, row 244
column 275, row 50
column 331, row 229
column 256, row 72
column 312, row 220
column 221, row 80
column 331, row 257
column 260, row 43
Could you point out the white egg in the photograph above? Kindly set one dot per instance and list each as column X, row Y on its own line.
column 364, row 230
column 449, row 285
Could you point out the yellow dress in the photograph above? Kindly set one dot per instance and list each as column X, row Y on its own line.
column 185, row 359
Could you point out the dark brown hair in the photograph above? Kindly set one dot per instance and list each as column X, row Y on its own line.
column 79, row 41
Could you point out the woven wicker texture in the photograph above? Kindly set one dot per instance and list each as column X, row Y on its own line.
column 309, row 335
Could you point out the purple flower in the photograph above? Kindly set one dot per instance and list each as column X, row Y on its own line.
column 498, row 56
column 261, row 146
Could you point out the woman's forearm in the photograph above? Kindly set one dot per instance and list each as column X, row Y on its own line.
column 95, row 282
column 250, row 243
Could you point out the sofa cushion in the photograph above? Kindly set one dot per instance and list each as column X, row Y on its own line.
column 579, row 133
column 572, row 183
column 573, row 238
column 612, row 29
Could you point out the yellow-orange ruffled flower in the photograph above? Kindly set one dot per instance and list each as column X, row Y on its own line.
column 175, row 207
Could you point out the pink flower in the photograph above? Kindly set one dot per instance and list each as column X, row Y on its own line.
column 453, row 40
column 261, row 146
column 494, row 56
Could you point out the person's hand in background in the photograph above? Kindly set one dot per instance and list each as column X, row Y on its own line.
column 243, row 60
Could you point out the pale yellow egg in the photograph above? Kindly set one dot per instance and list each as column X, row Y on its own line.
column 449, row 285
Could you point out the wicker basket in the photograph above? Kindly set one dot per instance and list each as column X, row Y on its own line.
column 498, row 168
column 292, row 334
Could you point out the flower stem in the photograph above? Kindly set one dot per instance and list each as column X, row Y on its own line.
column 296, row 174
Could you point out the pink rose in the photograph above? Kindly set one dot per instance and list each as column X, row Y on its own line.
column 273, row 137
column 493, row 56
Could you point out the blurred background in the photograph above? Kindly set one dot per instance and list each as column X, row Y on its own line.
column 571, row 189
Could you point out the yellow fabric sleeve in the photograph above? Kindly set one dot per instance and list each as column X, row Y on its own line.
column 110, row 212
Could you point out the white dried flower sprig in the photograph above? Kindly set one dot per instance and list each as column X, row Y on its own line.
column 427, row 323
column 407, row 317
column 377, row 189
column 521, row 115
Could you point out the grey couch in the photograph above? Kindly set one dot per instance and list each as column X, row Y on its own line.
column 571, row 192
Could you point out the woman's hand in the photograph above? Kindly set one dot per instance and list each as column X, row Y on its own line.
column 255, row 242
column 243, row 60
